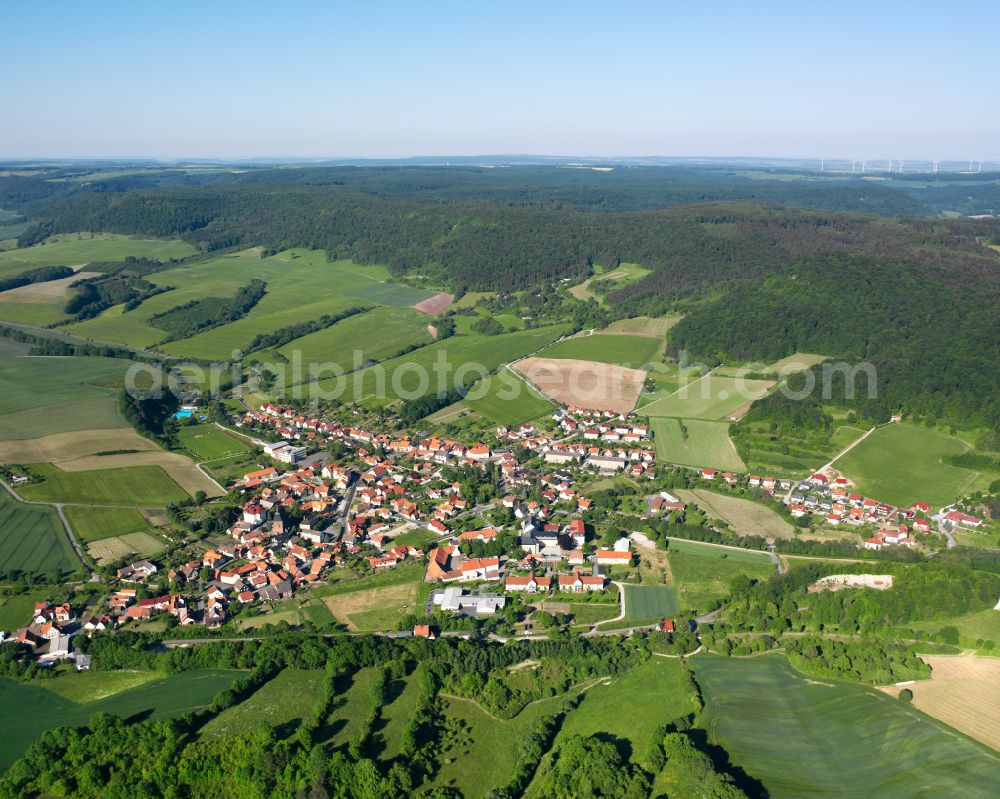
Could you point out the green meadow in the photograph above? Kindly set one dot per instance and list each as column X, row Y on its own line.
column 807, row 737
column 93, row 524
column 139, row 486
column 649, row 603
column 70, row 249
column 695, row 442
column 903, row 463
column 712, row 397
column 624, row 350
column 281, row 702
column 301, row 285
column 702, row 574
column 417, row 373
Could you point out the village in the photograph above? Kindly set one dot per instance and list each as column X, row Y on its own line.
column 496, row 525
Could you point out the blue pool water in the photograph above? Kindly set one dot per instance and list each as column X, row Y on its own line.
column 183, row 414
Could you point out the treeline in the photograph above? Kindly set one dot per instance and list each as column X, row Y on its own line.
column 149, row 415
column 196, row 316
column 41, row 275
column 283, row 335
column 930, row 352
column 97, row 294
column 170, row 757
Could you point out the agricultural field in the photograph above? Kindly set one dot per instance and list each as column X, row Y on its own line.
column 81, row 452
column 807, row 737
column 301, row 285
column 113, row 548
column 702, row 573
column 281, row 702
column 33, row 540
column 655, row 327
column 138, row 486
column 903, row 463
column 621, row 276
column 506, row 399
column 171, row 695
column 649, row 603
column 93, row 524
column 695, row 442
column 375, row 334
column 207, row 442
column 92, row 686
column 744, row 516
column 712, row 397
column 962, row 692
column 414, row 374
column 584, row 384
column 796, row 362
column 71, row 249
column 45, row 395
column 623, row 350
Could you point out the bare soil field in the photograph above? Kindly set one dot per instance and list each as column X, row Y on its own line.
column 962, row 693
column 75, row 452
column 48, row 291
column 436, row 304
column 584, row 384
column 400, row 597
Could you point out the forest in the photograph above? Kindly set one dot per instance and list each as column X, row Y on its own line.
column 761, row 269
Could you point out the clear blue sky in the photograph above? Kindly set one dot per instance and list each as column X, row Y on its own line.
column 216, row 78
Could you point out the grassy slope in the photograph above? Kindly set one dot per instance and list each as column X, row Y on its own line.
column 301, row 285
column 702, row 574
column 79, row 248
column 712, row 397
column 804, row 737
column 624, row 350
column 142, row 486
column 414, row 374
column 902, row 463
column 706, row 444
column 632, row 706
column 375, row 334
column 745, row 516
column 32, row 539
column 507, row 399
column 283, row 700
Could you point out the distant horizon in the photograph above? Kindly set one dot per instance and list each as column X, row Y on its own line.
column 833, row 164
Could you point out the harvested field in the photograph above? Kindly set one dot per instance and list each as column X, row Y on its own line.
column 400, row 598
column 962, row 693
column 47, row 291
column 436, row 304
column 584, row 384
